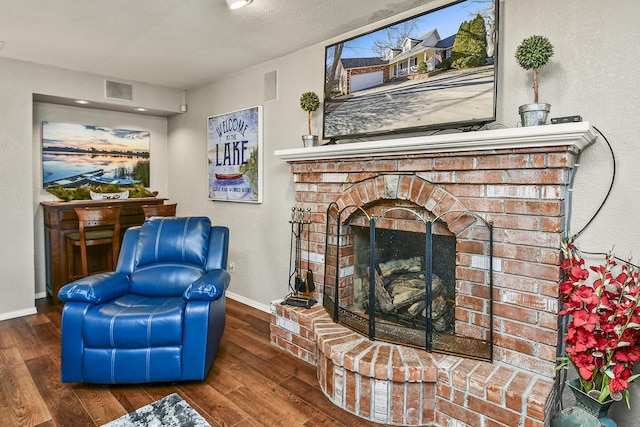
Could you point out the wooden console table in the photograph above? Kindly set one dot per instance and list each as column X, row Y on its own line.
column 60, row 219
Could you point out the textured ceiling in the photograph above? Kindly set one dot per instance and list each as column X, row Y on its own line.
column 176, row 43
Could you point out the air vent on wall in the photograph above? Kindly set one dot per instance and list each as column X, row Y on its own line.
column 271, row 86
column 117, row 90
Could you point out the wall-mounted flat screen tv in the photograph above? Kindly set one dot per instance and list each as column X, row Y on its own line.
column 434, row 70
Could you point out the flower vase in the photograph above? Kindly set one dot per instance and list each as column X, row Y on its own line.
column 587, row 412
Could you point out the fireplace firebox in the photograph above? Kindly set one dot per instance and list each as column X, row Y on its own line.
column 394, row 280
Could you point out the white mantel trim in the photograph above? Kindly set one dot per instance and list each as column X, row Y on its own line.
column 576, row 135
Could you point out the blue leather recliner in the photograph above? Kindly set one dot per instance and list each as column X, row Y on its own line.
column 159, row 317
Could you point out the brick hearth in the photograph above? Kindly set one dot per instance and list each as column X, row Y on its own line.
column 516, row 178
column 393, row 384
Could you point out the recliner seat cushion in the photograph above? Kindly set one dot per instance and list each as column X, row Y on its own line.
column 135, row 321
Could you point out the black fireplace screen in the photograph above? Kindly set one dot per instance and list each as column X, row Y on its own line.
column 399, row 285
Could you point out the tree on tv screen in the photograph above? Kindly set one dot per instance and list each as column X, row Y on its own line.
column 470, row 46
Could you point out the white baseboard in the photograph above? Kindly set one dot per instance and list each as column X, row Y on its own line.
column 18, row 313
column 249, row 302
column 40, row 295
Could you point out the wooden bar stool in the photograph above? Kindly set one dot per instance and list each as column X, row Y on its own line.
column 159, row 210
column 97, row 226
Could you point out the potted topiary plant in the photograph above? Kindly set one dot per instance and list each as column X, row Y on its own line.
column 532, row 54
column 309, row 102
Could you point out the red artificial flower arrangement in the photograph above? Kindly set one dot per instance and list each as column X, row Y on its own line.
column 603, row 328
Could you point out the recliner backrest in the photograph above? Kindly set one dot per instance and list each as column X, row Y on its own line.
column 183, row 240
column 169, row 254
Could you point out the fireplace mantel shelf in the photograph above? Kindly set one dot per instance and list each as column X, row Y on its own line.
column 575, row 135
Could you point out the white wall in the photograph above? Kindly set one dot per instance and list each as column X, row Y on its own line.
column 20, row 212
column 157, row 126
column 591, row 74
column 259, row 233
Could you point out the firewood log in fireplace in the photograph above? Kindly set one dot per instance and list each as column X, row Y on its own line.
column 398, row 266
column 409, row 297
column 400, row 289
column 418, row 309
column 382, row 295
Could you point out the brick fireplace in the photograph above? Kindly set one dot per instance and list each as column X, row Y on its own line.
column 515, row 178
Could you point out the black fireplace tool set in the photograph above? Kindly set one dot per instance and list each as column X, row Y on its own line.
column 301, row 282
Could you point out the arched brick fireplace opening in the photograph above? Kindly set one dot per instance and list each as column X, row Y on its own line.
column 397, row 290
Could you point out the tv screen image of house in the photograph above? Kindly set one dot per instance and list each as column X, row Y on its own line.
column 434, row 70
column 76, row 155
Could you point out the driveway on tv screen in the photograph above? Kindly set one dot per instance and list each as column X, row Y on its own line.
column 450, row 97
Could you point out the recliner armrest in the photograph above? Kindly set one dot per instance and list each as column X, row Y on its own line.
column 209, row 287
column 95, row 289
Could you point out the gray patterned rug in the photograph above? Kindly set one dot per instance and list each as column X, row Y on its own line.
column 171, row 411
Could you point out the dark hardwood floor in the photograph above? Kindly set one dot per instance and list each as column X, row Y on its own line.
column 251, row 383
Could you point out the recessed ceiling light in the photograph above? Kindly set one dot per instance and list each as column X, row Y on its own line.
column 140, row 109
column 237, row 4
column 81, row 102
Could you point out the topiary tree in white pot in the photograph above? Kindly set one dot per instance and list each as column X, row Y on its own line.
column 533, row 53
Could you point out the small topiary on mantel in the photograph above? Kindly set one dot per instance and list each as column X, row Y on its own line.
column 309, row 102
column 532, row 54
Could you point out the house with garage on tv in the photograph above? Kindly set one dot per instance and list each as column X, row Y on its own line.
column 363, row 73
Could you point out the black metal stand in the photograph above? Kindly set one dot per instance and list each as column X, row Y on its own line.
column 300, row 220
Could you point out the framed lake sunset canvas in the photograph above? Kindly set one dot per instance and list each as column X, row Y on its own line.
column 74, row 155
column 234, row 154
